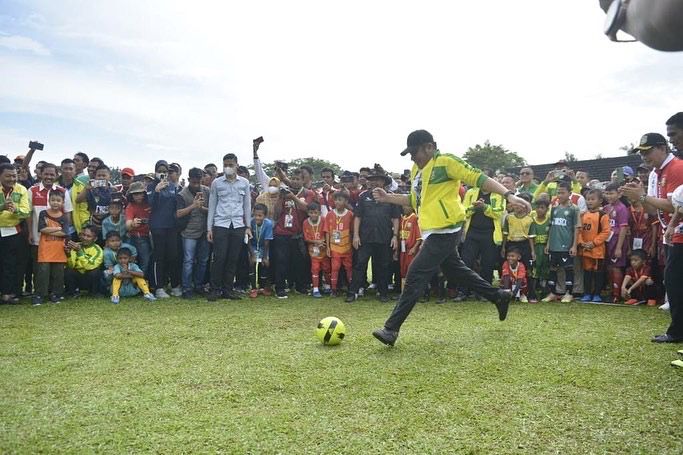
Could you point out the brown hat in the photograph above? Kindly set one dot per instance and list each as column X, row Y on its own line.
column 137, row 187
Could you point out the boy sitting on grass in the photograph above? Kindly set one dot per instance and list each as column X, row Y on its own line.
column 128, row 279
column 638, row 286
column 514, row 275
column 112, row 245
column 84, row 264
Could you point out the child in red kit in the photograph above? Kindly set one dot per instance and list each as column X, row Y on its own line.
column 315, row 236
column 514, row 275
column 339, row 222
column 638, row 286
column 410, row 239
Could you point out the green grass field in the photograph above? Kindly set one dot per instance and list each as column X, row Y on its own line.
column 250, row 377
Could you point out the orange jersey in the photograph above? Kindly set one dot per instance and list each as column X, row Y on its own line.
column 410, row 231
column 595, row 227
column 312, row 233
column 340, row 228
column 517, row 274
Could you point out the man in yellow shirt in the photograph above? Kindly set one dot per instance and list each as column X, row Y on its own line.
column 435, row 196
column 14, row 207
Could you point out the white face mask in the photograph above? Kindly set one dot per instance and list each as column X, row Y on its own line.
column 273, row 189
column 229, row 171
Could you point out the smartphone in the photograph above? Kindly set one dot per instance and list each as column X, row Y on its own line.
column 35, row 145
column 258, row 140
column 620, row 175
column 163, row 176
column 98, row 183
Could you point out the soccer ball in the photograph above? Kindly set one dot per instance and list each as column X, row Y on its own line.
column 330, row 331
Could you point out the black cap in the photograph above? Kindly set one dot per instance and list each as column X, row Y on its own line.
column 650, row 140
column 417, row 138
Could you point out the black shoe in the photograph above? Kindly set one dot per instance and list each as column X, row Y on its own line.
column 386, row 336
column 666, row 338
column 503, row 303
column 350, row 298
column 232, row 295
column 36, row 300
column 187, row 295
column 213, row 296
column 281, row 295
column 54, row 298
column 384, row 298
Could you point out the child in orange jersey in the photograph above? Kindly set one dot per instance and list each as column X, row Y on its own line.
column 410, row 239
column 595, row 230
column 52, row 225
column 315, row 235
column 339, row 222
column 513, row 275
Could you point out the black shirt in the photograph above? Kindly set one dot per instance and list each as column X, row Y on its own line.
column 480, row 221
column 376, row 218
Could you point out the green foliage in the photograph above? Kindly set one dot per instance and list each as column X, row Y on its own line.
column 182, row 376
column 316, row 163
column 570, row 157
column 115, row 175
column 494, row 157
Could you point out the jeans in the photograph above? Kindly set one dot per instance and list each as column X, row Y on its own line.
column 144, row 247
column 227, row 244
column 439, row 251
column 195, row 262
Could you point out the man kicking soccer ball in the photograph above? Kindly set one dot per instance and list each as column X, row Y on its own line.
column 435, row 197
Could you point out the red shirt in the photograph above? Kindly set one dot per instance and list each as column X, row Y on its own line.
column 644, row 270
column 142, row 211
column 640, row 224
column 410, row 232
column 315, row 232
column 662, row 183
column 291, row 218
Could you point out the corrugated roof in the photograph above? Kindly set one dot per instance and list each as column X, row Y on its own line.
column 600, row 169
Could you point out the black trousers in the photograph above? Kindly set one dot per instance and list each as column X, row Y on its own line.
column 165, row 266
column 88, row 281
column 381, row 259
column 288, row 255
column 439, row 251
column 227, row 244
column 8, row 264
column 479, row 245
column 242, row 279
column 674, row 289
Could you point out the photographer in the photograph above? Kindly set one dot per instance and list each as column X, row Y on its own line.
column 549, row 185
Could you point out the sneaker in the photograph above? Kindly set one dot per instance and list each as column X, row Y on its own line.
column 523, row 299
column 327, row 290
column 361, row 292
column 631, row 302
column 317, row 294
column 350, row 298
column 188, row 295
column 232, row 295
column 161, row 294
column 550, row 298
column 281, row 295
column 533, row 300
column 54, row 298
column 666, row 338
column 386, row 336
column 176, row 292
column 372, row 286
column 266, row 291
column 677, row 363
column 36, row 300
column 502, row 303
column 253, row 293
column 651, row 302
column 664, row 306
column 587, row 298
column 567, row 298
column 115, row 299
column 597, row 299
column 150, row 297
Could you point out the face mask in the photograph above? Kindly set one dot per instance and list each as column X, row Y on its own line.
column 273, row 189
column 229, row 171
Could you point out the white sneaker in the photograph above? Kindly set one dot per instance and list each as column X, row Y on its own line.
column 361, row 292
column 550, row 298
column 161, row 294
column 567, row 298
column 664, row 306
column 523, row 299
column 176, row 292
column 372, row 286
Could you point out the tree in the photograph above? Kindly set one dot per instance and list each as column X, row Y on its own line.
column 493, row 157
column 628, row 148
column 316, row 164
column 569, row 157
column 115, row 175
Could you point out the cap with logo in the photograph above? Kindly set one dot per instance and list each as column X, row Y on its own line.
column 416, row 139
column 649, row 140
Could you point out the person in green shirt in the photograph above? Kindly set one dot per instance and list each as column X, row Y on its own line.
column 565, row 222
column 538, row 231
column 526, row 182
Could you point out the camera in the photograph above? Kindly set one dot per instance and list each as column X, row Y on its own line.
column 258, row 140
column 284, row 190
column 35, row 145
column 281, row 165
column 163, row 176
column 319, row 184
column 98, row 183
